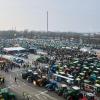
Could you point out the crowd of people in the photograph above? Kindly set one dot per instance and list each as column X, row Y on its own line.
column 7, row 65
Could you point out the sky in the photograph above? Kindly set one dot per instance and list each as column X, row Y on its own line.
column 64, row 15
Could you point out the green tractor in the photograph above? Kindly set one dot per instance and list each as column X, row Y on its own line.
column 61, row 89
column 43, row 59
column 97, row 89
column 90, row 96
column 6, row 95
column 73, row 94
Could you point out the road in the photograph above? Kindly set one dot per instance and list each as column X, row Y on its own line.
column 22, row 86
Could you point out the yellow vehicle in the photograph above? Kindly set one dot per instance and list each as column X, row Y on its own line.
column 98, row 80
column 42, row 82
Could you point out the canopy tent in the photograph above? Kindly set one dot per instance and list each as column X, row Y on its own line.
column 40, row 52
column 13, row 49
column 67, row 78
column 84, row 49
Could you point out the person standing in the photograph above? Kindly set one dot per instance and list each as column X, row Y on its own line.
column 15, row 79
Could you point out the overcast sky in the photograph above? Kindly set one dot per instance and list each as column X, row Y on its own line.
column 64, row 15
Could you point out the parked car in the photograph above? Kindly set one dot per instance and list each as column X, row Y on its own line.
column 30, row 75
column 17, row 60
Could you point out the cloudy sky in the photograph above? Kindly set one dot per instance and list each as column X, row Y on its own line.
column 64, row 15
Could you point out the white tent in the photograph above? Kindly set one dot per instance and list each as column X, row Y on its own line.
column 13, row 49
column 40, row 52
column 85, row 49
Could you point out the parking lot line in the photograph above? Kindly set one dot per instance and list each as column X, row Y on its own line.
column 41, row 93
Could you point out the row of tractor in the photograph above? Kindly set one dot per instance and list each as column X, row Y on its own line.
column 34, row 77
column 84, row 73
column 62, row 89
column 71, row 67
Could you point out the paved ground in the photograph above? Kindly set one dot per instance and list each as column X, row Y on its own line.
column 34, row 92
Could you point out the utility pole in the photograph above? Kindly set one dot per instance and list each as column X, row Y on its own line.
column 47, row 21
column 15, row 28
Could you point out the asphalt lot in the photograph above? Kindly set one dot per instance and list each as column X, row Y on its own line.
column 22, row 86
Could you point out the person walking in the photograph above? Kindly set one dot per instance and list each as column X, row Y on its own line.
column 15, row 79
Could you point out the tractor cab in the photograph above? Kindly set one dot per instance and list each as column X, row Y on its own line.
column 61, row 89
column 42, row 81
column 90, row 96
column 97, row 89
column 6, row 95
column 52, row 85
column 73, row 93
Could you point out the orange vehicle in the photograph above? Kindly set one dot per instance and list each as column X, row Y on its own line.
column 41, row 82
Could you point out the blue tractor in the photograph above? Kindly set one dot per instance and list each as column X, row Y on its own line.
column 52, row 86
